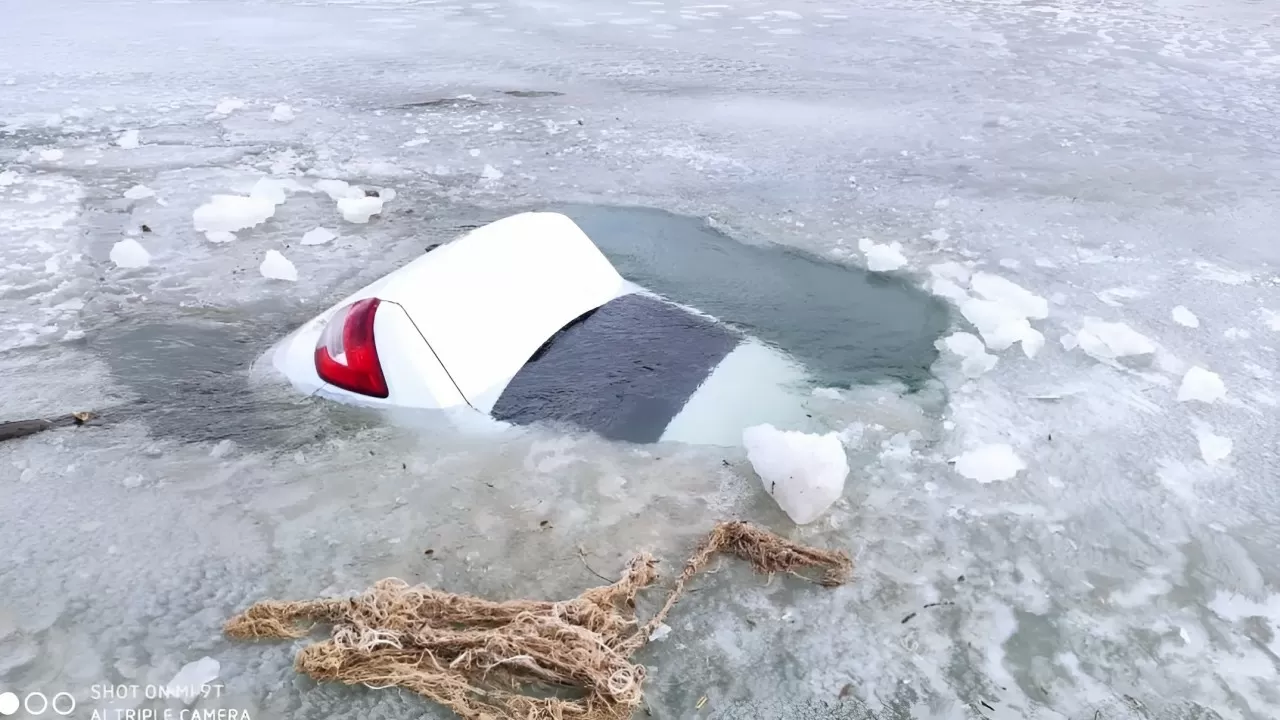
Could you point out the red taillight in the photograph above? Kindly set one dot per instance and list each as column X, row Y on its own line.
column 346, row 355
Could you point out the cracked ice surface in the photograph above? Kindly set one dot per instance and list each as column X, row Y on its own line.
column 1113, row 159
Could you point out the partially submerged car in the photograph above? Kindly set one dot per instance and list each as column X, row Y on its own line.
column 525, row 321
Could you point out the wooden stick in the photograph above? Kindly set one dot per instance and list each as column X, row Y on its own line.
column 23, row 428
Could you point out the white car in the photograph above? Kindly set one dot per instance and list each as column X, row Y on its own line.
column 525, row 321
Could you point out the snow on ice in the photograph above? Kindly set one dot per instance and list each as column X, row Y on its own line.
column 9, row 177
column 139, row 192
column 52, row 155
column 219, row 236
column 359, row 209
column 229, row 213
column 803, row 472
column 282, row 113
column 318, row 236
column 1201, row 385
column 491, row 173
column 989, row 463
column 128, row 140
column 277, row 267
column 882, row 258
column 1185, row 317
column 129, row 253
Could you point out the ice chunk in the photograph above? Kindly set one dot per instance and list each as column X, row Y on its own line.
column 1114, row 296
column 128, row 140
column 491, row 173
column 359, row 210
column 1227, row 276
column 228, row 106
column 219, row 236
column 229, row 213
column 964, row 343
column 1000, row 325
column 51, row 155
column 387, row 194
column 1032, row 343
column 953, row 271
column 975, row 358
column 282, row 113
column 660, row 632
column 318, row 236
column 277, row 267
column 1202, row 385
column 139, row 192
column 1011, row 295
column 129, row 253
column 1213, row 448
column 1110, row 340
column 804, row 473
column 1269, row 316
column 989, row 463
column 272, row 190
column 193, row 675
column 9, row 177
column 337, row 189
column 1185, row 317
column 948, row 290
column 882, row 258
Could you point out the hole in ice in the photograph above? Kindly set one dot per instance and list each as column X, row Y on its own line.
column 848, row 326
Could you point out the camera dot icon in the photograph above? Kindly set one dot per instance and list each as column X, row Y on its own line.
column 8, row 703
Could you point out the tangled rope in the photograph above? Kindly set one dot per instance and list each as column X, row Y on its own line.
column 473, row 655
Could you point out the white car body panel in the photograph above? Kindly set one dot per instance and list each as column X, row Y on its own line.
column 456, row 325
column 539, row 271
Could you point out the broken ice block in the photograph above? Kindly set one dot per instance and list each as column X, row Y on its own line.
column 803, row 472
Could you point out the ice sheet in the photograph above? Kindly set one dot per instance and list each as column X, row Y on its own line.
column 1114, row 159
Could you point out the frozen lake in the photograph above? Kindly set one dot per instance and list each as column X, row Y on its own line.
column 1069, row 513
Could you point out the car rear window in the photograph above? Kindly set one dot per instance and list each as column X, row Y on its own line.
column 623, row 370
